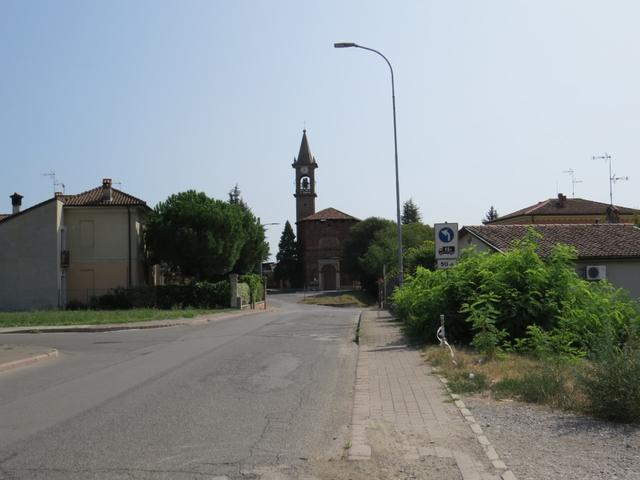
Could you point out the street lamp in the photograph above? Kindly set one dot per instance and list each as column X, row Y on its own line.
column 395, row 145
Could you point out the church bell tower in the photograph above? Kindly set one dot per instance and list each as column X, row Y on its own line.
column 305, row 166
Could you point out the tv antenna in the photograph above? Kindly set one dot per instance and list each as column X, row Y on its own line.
column 612, row 176
column 572, row 173
column 54, row 180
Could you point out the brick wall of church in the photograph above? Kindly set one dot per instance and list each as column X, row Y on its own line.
column 324, row 239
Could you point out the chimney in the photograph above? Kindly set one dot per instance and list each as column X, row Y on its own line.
column 107, row 193
column 561, row 200
column 613, row 214
column 58, row 194
column 16, row 202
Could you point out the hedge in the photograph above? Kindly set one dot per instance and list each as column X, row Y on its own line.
column 195, row 295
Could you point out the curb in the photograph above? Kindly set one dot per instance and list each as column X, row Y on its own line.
column 484, row 442
column 23, row 362
column 201, row 320
column 359, row 449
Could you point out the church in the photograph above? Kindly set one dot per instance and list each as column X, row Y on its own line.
column 321, row 235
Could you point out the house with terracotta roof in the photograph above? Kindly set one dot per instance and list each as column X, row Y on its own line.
column 605, row 251
column 71, row 247
column 569, row 210
column 321, row 235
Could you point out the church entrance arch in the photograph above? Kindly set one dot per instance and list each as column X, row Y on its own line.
column 328, row 277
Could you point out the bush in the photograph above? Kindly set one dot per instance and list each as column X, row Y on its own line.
column 196, row 295
column 511, row 292
column 244, row 292
column 256, row 286
column 612, row 384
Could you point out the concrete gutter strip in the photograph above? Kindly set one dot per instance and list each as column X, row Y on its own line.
column 15, row 357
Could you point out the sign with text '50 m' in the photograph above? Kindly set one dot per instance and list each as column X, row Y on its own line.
column 446, row 242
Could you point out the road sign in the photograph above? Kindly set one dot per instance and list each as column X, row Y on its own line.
column 446, row 263
column 446, row 241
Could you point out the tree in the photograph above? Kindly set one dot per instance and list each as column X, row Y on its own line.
column 235, row 197
column 410, row 213
column 201, row 238
column 491, row 215
column 288, row 268
column 255, row 249
column 361, row 236
column 372, row 243
column 384, row 249
column 420, row 256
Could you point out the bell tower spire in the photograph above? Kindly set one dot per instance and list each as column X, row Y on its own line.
column 305, row 166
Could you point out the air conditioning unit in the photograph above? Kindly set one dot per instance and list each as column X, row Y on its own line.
column 596, row 272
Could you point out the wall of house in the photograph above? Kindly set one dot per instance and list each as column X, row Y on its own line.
column 97, row 240
column 466, row 241
column 621, row 273
column 30, row 259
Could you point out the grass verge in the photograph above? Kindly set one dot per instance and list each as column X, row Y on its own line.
column 511, row 375
column 354, row 298
column 96, row 317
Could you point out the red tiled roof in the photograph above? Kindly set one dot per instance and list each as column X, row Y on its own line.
column 590, row 240
column 94, row 197
column 328, row 214
column 569, row 206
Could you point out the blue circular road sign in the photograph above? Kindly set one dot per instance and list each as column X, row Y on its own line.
column 446, row 235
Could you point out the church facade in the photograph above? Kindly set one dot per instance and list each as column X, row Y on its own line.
column 321, row 235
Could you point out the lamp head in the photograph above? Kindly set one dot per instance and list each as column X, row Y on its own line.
column 344, row 45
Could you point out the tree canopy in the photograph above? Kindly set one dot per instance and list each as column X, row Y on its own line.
column 288, row 268
column 372, row 243
column 194, row 236
column 410, row 213
column 491, row 215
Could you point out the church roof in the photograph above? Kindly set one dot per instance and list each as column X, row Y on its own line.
column 328, row 214
column 304, row 155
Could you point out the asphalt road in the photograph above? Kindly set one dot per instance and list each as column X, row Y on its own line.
column 231, row 398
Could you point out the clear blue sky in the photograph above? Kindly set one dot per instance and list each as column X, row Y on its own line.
column 494, row 100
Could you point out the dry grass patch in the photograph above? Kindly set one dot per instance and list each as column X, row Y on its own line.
column 511, row 375
column 354, row 298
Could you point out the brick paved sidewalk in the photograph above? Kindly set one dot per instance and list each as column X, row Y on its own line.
column 396, row 389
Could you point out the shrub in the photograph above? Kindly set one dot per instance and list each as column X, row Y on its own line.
column 196, row 295
column 511, row 292
column 482, row 315
column 256, row 286
column 244, row 292
column 612, row 385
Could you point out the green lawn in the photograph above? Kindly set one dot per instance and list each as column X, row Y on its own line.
column 354, row 298
column 95, row 317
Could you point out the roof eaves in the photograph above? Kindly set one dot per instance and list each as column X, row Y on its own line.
column 482, row 239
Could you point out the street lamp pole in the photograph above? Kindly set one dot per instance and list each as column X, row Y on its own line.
column 395, row 146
